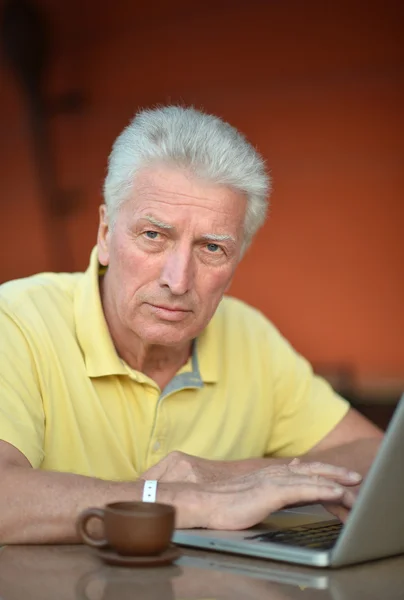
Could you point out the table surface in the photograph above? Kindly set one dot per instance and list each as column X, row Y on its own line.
column 75, row 573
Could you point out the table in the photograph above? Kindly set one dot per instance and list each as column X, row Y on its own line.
column 75, row 573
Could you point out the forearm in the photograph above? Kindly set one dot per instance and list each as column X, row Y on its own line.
column 357, row 456
column 39, row 507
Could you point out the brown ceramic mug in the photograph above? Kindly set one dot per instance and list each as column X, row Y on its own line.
column 131, row 528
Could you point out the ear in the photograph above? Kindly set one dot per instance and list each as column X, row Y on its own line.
column 103, row 236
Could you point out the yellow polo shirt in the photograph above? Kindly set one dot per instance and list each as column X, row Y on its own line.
column 69, row 403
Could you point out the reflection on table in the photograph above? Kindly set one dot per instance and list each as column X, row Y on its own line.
column 75, row 573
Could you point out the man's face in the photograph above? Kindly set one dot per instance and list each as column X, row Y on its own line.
column 171, row 254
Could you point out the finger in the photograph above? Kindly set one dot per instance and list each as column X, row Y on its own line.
column 337, row 510
column 348, row 499
column 297, row 479
column 340, row 474
column 310, row 493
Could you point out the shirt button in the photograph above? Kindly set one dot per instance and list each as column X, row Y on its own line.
column 156, row 446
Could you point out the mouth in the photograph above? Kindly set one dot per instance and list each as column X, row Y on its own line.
column 170, row 308
column 169, row 313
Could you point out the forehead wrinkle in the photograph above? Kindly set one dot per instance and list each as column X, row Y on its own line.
column 157, row 183
column 155, row 192
column 150, row 188
column 212, row 208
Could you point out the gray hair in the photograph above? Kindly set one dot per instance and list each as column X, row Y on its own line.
column 208, row 147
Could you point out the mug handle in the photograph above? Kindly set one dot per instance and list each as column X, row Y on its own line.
column 83, row 519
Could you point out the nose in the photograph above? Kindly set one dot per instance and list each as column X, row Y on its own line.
column 177, row 271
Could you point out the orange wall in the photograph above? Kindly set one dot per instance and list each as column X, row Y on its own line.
column 317, row 86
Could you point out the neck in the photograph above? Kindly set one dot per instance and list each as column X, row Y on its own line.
column 158, row 362
column 153, row 360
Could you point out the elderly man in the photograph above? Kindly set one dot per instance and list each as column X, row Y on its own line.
column 141, row 369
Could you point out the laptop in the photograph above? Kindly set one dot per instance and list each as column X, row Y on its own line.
column 374, row 528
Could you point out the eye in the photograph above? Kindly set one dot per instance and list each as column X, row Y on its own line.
column 213, row 247
column 151, row 235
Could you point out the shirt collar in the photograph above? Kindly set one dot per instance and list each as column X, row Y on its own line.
column 100, row 356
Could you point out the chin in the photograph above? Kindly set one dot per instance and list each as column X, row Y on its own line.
column 165, row 336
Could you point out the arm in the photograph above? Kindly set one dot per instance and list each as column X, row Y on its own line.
column 353, row 443
column 42, row 507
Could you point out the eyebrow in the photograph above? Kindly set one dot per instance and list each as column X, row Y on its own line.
column 157, row 223
column 214, row 237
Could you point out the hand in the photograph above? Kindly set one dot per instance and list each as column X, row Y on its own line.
column 244, row 501
column 181, row 467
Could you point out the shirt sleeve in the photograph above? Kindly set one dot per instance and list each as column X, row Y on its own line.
column 22, row 421
column 306, row 408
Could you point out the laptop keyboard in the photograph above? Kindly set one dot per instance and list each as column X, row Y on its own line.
column 308, row 536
